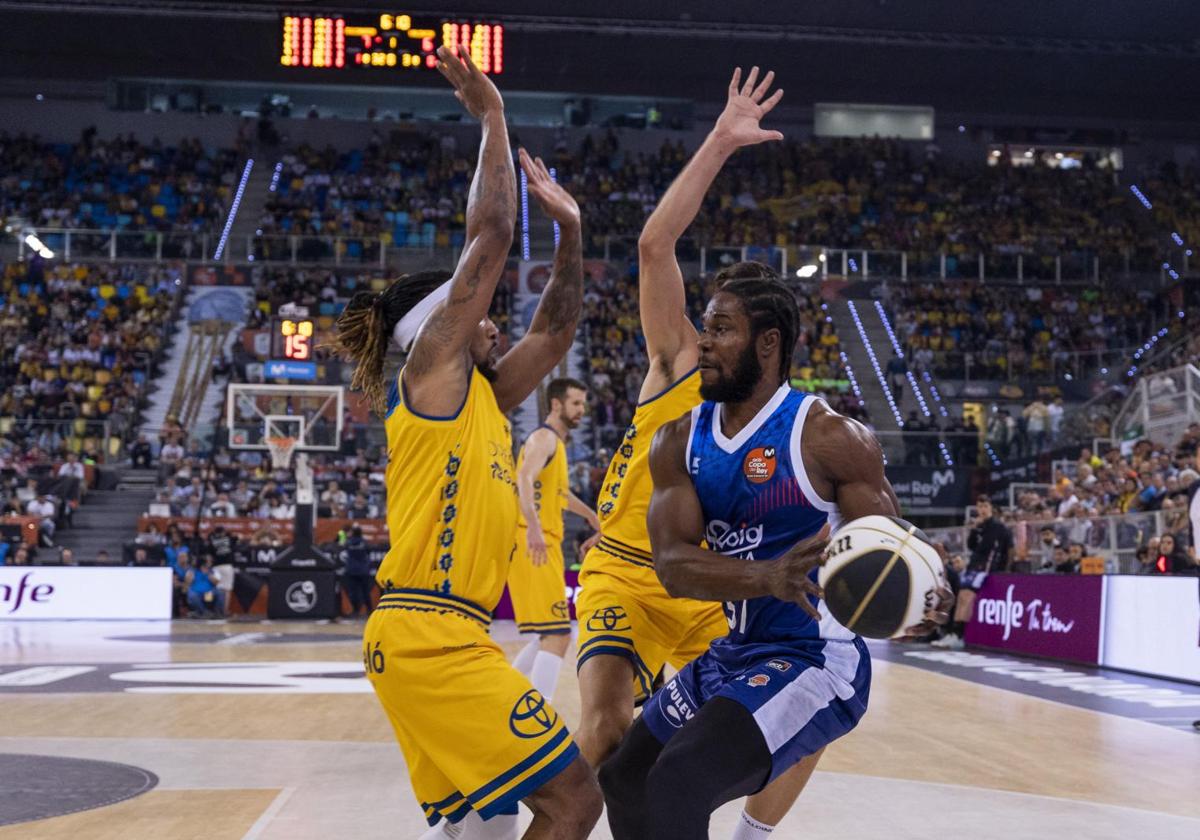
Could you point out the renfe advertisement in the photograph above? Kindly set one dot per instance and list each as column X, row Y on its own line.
column 1056, row 616
column 1152, row 626
column 33, row 592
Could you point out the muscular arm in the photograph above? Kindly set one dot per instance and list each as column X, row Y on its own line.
column 553, row 327
column 670, row 336
column 676, row 525
column 845, row 464
column 539, row 447
column 438, row 364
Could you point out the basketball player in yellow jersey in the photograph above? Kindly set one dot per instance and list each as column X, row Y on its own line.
column 628, row 625
column 536, row 579
column 476, row 736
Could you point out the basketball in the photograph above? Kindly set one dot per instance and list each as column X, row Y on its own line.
column 880, row 576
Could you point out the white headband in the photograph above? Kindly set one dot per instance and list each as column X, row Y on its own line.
column 405, row 331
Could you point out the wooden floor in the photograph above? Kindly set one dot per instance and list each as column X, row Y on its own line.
column 296, row 755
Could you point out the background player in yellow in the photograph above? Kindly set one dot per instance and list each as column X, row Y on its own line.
column 628, row 625
column 476, row 736
column 537, row 579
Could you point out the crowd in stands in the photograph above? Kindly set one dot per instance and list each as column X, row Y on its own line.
column 968, row 329
column 115, row 183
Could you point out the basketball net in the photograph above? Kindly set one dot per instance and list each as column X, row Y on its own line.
column 281, row 451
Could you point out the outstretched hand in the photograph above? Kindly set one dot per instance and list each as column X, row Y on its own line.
column 555, row 202
column 745, row 108
column 472, row 87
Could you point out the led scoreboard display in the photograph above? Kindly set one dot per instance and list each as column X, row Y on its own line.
column 292, row 339
column 334, row 42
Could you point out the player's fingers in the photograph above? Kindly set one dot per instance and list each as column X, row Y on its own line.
column 770, row 135
column 735, row 81
column 748, row 88
column 466, row 60
column 541, row 164
column 807, row 606
column 763, row 86
column 771, row 102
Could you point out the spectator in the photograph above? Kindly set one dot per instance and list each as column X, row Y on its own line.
column 204, row 598
column 897, row 369
column 356, row 573
column 66, row 557
column 71, row 468
column 1172, row 557
column 989, row 542
column 141, row 557
column 103, row 558
column 42, row 508
column 140, row 453
column 223, row 507
column 1071, row 563
column 151, row 536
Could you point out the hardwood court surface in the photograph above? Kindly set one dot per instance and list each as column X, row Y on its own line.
column 267, row 730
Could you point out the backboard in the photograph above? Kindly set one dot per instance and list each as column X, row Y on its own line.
column 310, row 413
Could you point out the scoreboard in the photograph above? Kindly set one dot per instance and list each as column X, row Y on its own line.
column 292, row 339
column 389, row 41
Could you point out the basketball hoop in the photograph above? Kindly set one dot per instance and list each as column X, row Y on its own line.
column 281, row 451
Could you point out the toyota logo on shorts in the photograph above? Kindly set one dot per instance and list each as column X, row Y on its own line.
column 608, row 619
column 531, row 717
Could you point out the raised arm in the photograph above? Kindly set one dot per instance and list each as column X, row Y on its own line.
column 539, row 447
column 670, row 336
column 676, row 525
column 553, row 327
column 438, row 360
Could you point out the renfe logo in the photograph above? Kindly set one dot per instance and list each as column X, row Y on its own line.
column 14, row 597
column 1009, row 614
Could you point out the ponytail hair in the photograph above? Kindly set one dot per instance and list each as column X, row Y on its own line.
column 364, row 330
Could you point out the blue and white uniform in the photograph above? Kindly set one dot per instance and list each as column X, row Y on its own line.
column 805, row 682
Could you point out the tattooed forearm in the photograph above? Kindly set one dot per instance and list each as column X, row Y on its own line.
column 558, row 312
column 492, row 201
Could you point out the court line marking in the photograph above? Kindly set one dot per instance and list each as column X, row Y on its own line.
column 268, row 815
column 1017, row 691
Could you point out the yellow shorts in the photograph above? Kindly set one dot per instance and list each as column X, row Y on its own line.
column 474, row 732
column 623, row 610
column 539, row 593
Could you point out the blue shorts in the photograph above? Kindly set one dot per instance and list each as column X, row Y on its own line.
column 803, row 696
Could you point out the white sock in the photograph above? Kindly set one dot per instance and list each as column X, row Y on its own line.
column 545, row 673
column 749, row 828
column 473, row 827
column 524, row 660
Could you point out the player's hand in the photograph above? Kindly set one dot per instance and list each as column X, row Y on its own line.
column 472, row 88
column 745, row 108
column 555, row 202
column 536, row 543
column 937, row 615
column 790, row 580
column 588, row 544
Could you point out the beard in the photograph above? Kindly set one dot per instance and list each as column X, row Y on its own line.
column 571, row 422
column 740, row 385
column 486, row 370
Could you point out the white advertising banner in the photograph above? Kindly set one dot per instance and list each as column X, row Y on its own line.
column 1152, row 626
column 33, row 592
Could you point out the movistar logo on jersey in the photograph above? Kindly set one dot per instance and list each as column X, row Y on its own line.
column 724, row 538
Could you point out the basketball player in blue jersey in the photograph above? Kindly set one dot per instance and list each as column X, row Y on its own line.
column 760, row 473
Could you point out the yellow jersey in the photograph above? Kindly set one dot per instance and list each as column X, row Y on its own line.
column 625, row 496
column 550, row 490
column 451, row 497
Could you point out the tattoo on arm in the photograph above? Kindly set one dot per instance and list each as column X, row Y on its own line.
column 559, row 309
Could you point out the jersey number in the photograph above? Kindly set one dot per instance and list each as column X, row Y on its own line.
column 735, row 614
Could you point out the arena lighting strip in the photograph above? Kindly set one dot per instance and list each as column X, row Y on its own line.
column 912, row 381
column 1162, row 333
column 887, row 392
column 233, row 208
column 524, row 216
column 275, row 177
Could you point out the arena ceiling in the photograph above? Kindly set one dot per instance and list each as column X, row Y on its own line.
column 1108, row 59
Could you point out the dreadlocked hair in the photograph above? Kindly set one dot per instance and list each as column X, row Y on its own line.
column 364, row 330
column 768, row 302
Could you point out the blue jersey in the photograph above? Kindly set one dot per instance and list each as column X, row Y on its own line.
column 758, row 502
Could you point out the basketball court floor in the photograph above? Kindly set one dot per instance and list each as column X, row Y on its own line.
column 268, row 731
